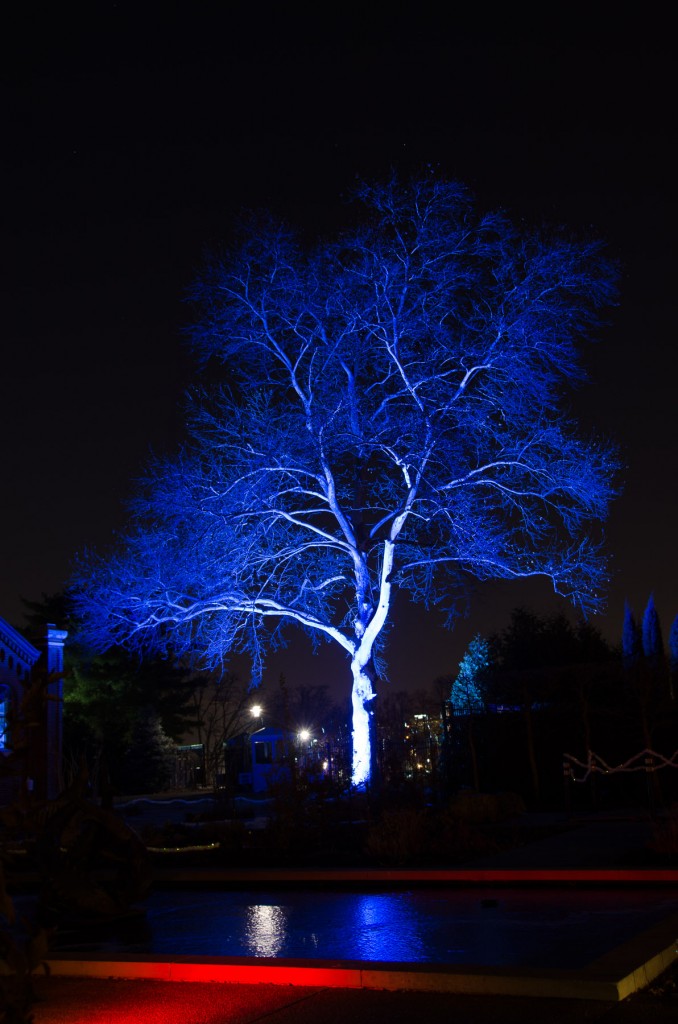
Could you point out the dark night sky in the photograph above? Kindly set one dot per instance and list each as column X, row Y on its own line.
column 133, row 133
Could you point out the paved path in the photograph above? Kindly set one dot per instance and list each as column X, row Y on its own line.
column 84, row 1001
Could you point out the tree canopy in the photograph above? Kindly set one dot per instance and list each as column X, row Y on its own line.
column 392, row 414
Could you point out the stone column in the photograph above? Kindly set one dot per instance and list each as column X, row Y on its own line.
column 48, row 737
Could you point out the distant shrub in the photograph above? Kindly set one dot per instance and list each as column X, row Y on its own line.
column 486, row 807
column 398, row 837
column 457, row 840
column 407, row 836
column 665, row 836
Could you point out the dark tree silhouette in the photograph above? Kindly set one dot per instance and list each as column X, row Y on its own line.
column 648, row 679
column 467, row 694
column 673, row 657
column 393, row 417
column 547, row 662
column 631, row 639
column 107, row 694
column 653, row 643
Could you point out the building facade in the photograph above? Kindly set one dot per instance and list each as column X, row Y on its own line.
column 31, row 707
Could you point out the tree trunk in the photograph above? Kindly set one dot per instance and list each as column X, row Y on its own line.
column 362, row 696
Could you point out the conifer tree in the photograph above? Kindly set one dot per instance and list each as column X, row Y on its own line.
column 631, row 638
column 673, row 656
column 653, row 643
column 467, row 694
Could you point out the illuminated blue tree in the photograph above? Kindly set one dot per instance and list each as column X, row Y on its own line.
column 648, row 674
column 673, row 645
column 391, row 418
column 673, row 658
column 467, row 695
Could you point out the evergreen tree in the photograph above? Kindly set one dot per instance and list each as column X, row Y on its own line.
column 468, row 694
column 547, row 662
column 653, row 644
column 468, row 690
column 148, row 766
column 673, row 643
column 673, row 656
column 647, row 678
column 106, row 695
column 631, row 639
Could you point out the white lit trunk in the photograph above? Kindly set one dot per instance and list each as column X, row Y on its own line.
column 361, row 697
column 363, row 692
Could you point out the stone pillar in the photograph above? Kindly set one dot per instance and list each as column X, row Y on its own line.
column 47, row 758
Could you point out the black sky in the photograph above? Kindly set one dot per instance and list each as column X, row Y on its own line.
column 134, row 133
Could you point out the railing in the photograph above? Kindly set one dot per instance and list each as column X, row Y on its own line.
column 646, row 761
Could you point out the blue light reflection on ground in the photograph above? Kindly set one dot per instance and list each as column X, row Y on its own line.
column 538, row 928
